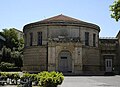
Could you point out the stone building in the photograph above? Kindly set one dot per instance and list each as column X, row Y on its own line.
column 65, row 44
column 19, row 33
column 109, row 54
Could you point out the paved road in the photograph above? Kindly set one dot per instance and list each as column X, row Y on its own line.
column 92, row 81
column 89, row 81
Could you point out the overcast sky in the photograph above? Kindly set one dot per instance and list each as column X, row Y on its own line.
column 17, row 13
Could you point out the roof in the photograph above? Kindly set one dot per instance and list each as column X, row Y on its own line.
column 60, row 18
column 112, row 38
column 17, row 30
column 118, row 34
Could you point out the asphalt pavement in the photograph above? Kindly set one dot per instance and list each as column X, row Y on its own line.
column 91, row 81
column 88, row 81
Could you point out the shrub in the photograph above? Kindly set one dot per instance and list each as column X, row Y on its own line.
column 50, row 79
column 3, row 75
column 11, row 76
column 33, row 77
column 26, row 75
column 16, row 76
column 5, row 66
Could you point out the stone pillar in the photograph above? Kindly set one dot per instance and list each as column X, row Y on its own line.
column 78, row 60
column 51, row 58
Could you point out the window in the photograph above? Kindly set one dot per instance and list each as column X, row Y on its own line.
column 31, row 38
column 39, row 38
column 94, row 40
column 87, row 38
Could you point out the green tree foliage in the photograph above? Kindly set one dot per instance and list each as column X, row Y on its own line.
column 17, row 58
column 11, row 38
column 115, row 9
column 20, row 45
column 6, row 54
column 13, row 50
column 12, row 57
column 4, row 66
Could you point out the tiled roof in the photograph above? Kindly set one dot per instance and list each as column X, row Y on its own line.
column 61, row 17
column 62, row 20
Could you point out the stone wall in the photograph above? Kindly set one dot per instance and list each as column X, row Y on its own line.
column 91, row 32
column 83, row 57
column 35, row 58
column 75, row 49
column 118, row 51
column 67, row 31
column 35, row 31
column 91, row 59
column 50, row 32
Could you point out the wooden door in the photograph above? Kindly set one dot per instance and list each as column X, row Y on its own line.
column 65, row 62
column 108, row 65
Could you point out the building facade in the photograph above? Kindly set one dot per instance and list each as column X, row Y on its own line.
column 19, row 33
column 109, row 54
column 66, row 44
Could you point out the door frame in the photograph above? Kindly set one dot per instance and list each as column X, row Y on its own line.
column 108, row 56
column 68, row 59
column 108, row 65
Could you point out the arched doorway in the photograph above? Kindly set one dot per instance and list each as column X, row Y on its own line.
column 65, row 61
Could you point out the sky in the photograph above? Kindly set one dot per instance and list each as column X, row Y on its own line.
column 17, row 13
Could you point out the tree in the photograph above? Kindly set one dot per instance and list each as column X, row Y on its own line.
column 6, row 54
column 13, row 50
column 21, row 45
column 11, row 38
column 17, row 58
column 115, row 9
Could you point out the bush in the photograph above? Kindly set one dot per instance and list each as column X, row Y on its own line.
column 16, row 76
column 11, row 76
column 26, row 75
column 50, row 79
column 3, row 75
column 5, row 66
column 34, row 77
